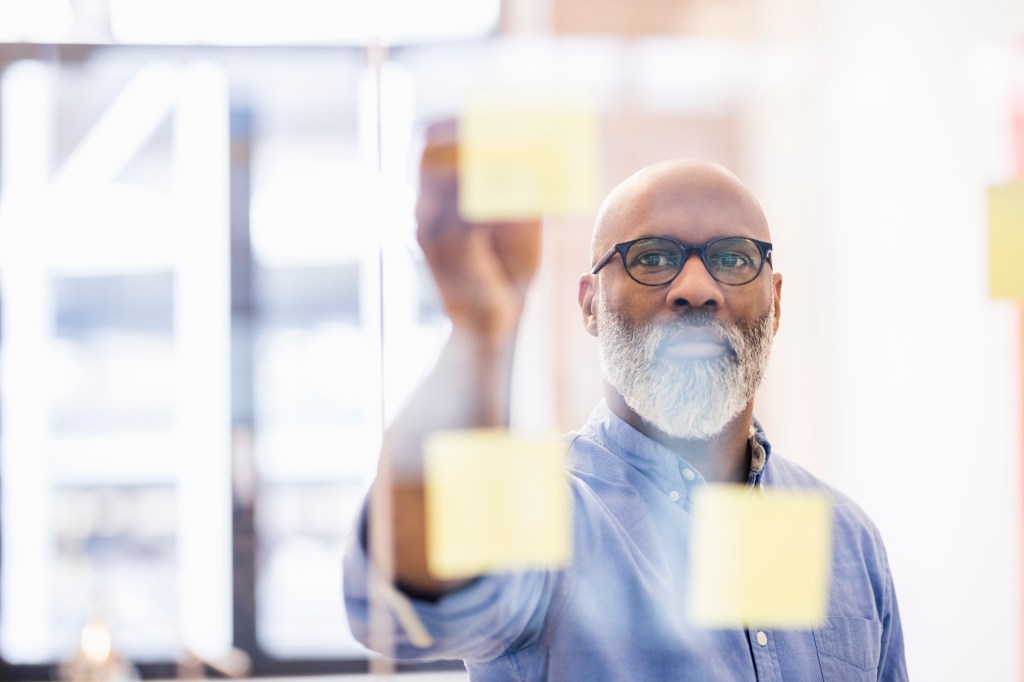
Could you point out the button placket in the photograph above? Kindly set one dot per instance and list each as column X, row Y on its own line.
column 766, row 660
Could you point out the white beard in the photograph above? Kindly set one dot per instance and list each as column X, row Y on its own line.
column 684, row 398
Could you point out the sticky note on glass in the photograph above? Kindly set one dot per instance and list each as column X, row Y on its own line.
column 1006, row 240
column 759, row 557
column 494, row 501
column 523, row 154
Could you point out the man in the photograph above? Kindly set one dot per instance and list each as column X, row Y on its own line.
column 684, row 303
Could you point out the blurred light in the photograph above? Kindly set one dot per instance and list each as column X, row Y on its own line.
column 96, row 643
column 300, row 21
column 26, row 117
column 35, row 20
column 698, row 75
column 124, row 127
column 299, row 220
column 203, row 339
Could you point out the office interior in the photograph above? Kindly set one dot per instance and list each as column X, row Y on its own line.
column 212, row 300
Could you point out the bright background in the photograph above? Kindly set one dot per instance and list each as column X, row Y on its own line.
column 211, row 299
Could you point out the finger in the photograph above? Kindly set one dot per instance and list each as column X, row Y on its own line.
column 519, row 245
column 438, row 198
column 442, row 133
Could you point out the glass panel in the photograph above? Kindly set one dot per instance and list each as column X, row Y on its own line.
column 332, row 234
column 113, row 343
column 299, row 597
column 316, row 376
column 114, row 382
column 116, row 411
column 116, row 558
column 111, row 417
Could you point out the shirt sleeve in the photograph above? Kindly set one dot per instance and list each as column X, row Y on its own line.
column 892, row 666
column 491, row 616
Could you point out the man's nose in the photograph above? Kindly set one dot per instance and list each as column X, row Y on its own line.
column 694, row 287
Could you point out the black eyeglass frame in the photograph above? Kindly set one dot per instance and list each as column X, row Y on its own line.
column 765, row 248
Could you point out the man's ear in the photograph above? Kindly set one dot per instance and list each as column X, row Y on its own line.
column 586, row 300
column 777, row 283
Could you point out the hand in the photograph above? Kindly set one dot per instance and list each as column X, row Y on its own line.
column 482, row 270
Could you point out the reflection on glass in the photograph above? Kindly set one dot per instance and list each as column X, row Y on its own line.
column 114, row 392
column 116, row 415
column 315, row 423
column 313, row 373
column 116, row 555
column 113, row 497
column 113, row 347
column 301, row 527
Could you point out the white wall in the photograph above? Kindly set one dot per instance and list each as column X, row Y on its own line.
column 920, row 365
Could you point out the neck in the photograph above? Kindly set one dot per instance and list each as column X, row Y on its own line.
column 722, row 458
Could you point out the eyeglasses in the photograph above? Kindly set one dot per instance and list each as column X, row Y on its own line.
column 653, row 261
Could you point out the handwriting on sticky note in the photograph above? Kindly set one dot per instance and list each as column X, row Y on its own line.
column 1006, row 240
column 494, row 501
column 522, row 154
column 759, row 557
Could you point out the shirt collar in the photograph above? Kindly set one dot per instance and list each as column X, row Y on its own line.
column 662, row 465
column 760, row 453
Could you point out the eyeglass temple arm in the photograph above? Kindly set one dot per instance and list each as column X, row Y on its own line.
column 607, row 257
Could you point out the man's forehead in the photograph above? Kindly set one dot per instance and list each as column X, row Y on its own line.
column 686, row 198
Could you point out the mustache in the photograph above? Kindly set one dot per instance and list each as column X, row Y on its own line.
column 696, row 318
column 701, row 319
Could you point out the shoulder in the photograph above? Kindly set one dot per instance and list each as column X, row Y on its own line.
column 785, row 474
column 856, row 541
column 861, row 587
column 851, row 522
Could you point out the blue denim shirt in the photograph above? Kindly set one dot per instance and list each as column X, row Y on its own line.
column 617, row 611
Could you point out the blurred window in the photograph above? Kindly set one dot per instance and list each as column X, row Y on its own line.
column 197, row 267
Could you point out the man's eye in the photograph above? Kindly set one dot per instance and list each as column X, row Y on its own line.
column 732, row 261
column 656, row 259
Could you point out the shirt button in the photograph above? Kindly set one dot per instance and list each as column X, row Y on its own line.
column 762, row 638
column 674, row 496
column 688, row 474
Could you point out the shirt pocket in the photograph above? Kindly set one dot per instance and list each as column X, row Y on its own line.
column 848, row 648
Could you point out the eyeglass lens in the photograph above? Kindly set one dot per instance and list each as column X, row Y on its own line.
column 733, row 260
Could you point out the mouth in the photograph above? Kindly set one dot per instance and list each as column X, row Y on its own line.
column 696, row 342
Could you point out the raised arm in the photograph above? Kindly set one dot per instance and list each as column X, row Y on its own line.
column 483, row 271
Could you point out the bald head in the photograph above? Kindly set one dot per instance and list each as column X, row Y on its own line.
column 698, row 198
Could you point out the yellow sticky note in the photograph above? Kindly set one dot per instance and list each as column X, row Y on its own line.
column 522, row 154
column 759, row 557
column 1006, row 240
column 494, row 501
